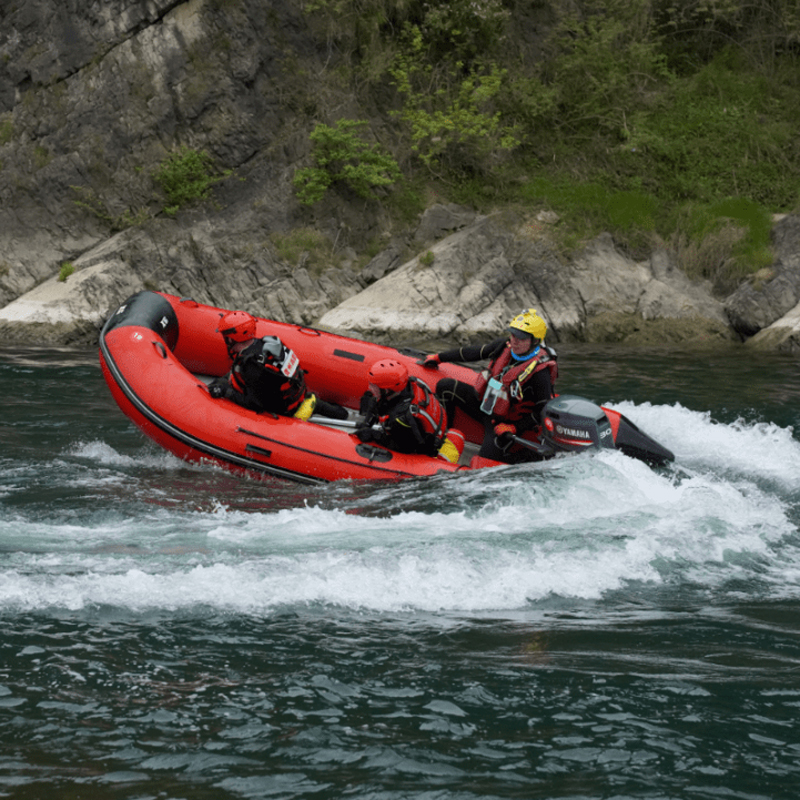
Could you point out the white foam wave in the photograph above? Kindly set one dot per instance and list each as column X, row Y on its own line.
column 577, row 527
column 499, row 556
column 99, row 452
column 759, row 449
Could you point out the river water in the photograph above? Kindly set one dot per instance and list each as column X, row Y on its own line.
column 585, row 628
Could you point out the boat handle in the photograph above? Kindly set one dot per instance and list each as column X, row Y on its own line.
column 161, row 349
column 309, row 331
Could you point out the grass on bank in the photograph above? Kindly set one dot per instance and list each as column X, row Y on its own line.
column 723, row 240
column 67, row 268
column 656, row 121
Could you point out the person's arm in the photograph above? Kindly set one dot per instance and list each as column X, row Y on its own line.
column 222, row 387
column 538, row 390
column 468, row 354
column 368, row 408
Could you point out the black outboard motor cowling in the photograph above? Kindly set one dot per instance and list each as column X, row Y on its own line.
column 571, row 423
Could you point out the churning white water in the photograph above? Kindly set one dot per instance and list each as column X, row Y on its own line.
column 143, row 531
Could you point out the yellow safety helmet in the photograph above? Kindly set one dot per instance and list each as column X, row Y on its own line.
column 529, row 322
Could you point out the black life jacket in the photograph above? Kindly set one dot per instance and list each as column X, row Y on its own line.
column 269, row 376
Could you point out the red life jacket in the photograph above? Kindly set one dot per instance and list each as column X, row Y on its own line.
column 425, row 409
column 512, row 376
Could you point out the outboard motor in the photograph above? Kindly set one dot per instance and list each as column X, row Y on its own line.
column 571, row 423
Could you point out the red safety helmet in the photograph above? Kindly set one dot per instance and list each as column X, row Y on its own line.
column 237, row 326
column 388, row 375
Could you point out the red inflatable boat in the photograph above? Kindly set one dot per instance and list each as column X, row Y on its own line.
column 158, row 352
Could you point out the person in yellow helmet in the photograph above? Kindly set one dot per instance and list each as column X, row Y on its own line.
column 512, row 390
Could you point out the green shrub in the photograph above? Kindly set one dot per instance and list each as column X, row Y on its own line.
column 450, row 105
column 604, row 63
column 462, row 31
column 305, row 247
column 186, row 176
column 340, row 154
column 67, row 268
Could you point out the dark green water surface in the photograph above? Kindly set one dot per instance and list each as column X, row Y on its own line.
column 587, row 628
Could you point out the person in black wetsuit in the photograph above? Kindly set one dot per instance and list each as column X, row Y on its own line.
column 512, row 390
column 266, row 376
column 402, row 413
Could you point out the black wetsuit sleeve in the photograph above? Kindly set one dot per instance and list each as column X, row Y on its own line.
column 221, row 387
column 538, row 390
column 474, row 352
column 368, row 408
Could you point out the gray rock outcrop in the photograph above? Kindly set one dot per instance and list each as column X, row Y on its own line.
column 467, row 286
column 93, row 97
column 464, row 287
column 766, row 306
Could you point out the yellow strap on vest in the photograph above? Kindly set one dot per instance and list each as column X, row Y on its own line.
column 527, row 371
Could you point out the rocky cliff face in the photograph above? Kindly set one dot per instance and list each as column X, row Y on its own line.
column 94, row 95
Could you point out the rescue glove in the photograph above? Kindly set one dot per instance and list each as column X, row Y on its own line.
column 365, row 433
column 369, row 433
column 430, row 362
column 504, row 432
column 216, row 390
